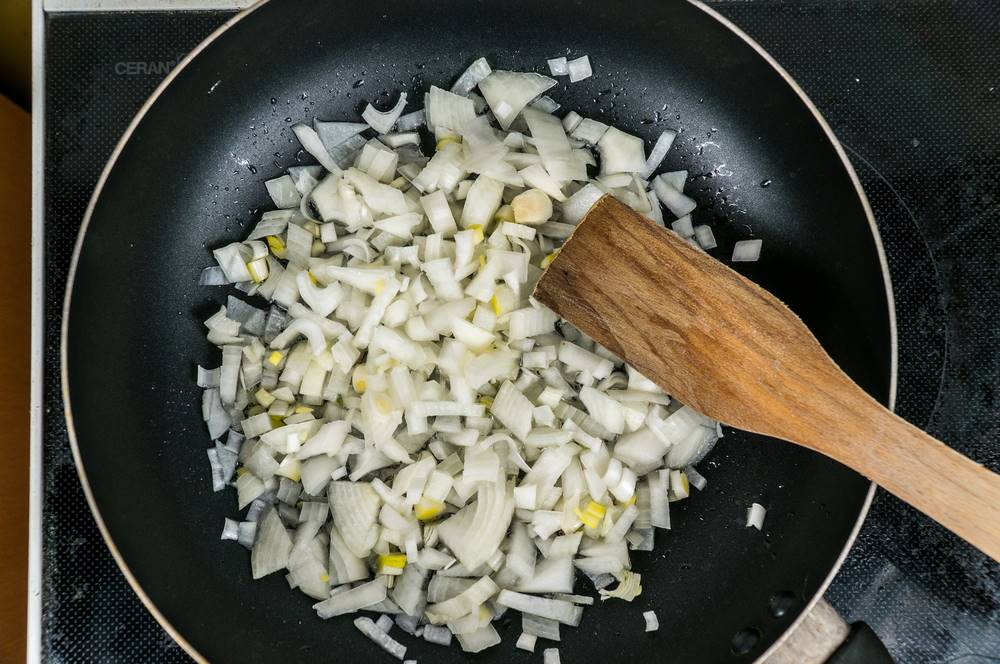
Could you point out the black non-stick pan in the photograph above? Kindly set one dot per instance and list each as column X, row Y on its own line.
column 188, row 176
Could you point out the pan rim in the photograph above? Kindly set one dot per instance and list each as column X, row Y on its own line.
column 215, row 34
column 146, row 600
column 890, row 305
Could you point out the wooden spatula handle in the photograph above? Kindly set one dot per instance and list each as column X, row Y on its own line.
column 954, row 490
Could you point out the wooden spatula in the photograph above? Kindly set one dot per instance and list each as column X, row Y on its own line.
column 721, row 344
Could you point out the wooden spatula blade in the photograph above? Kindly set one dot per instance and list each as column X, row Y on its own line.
column 712, row 338
column 721, row 344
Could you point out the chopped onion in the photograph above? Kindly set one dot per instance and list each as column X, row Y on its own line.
column 546, row 103
column 554, row 609
column 475, row 532
column 580, row 203
column 747, row 251
column 621, row 152
column 404, row 417
column 705, row 237
column 578, row 70
column 352, row 600
column 479, row 640
column 411, row 121
column 696, row 479
column 334, row 134
column 652, row 622
column 438, row 635
column 463, row 603
column 272, row 548
column 542, row 628
column 552, row 575
column 589, row 131
column 659, row 152
column 312, row 144
column 386, row 642
column 526, row 642
column 384, row 121
column 355, row 508
column 659, row 505
column 755, row 516
column 672, row 198
column 553, row 146
column 512, row 409
column 628, row 589
column 446, row 110
column 509, row 92
column 384, row 623
column 558, row 67
column 471, row 77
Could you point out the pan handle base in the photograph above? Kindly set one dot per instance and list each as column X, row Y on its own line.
column 862, row 646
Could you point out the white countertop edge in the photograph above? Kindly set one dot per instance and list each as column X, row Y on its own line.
column 33, row 651
column 143, row 5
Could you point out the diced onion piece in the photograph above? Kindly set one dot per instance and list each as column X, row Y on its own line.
column 530, row 322
column 628, row 589
column 272, row 548
column 579, row 69
column 482, row 202
column 652, row 622
column 747, row 251
column 479, row 640
column 696, row 479
column 335, row 134
column 386, row 642
column 446, row 110
column 411, row 121
column 580, row 203
column 475, row 531
column 471, row 77
column 552, row 575
column 383, row 121
column 755, row 516
column 438, row 635
column 512, row 409
column 355, row 508
column 705, row 237
column 589, row 131
column 554, row 609
column 553, row 146
column 546, row 103
column 659, row 152
column 683, row 226
column 283, row 192
column 526, row 642
column 312, row 144
column 607, row 411
column 536, row 176
column 558, row 66
column 438, row 212
column 621, row 152
column 672, row 198
column 352, row 600
column 509, row 92
column 463, row 603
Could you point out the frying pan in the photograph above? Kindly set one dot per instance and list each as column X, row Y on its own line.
column 188, row 176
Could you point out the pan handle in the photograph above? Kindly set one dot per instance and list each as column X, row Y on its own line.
column 824, row 638
column 862, row 646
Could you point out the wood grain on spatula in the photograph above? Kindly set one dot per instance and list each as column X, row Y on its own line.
column 718, row 342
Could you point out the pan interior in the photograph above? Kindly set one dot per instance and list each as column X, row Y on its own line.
column 190, row 178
